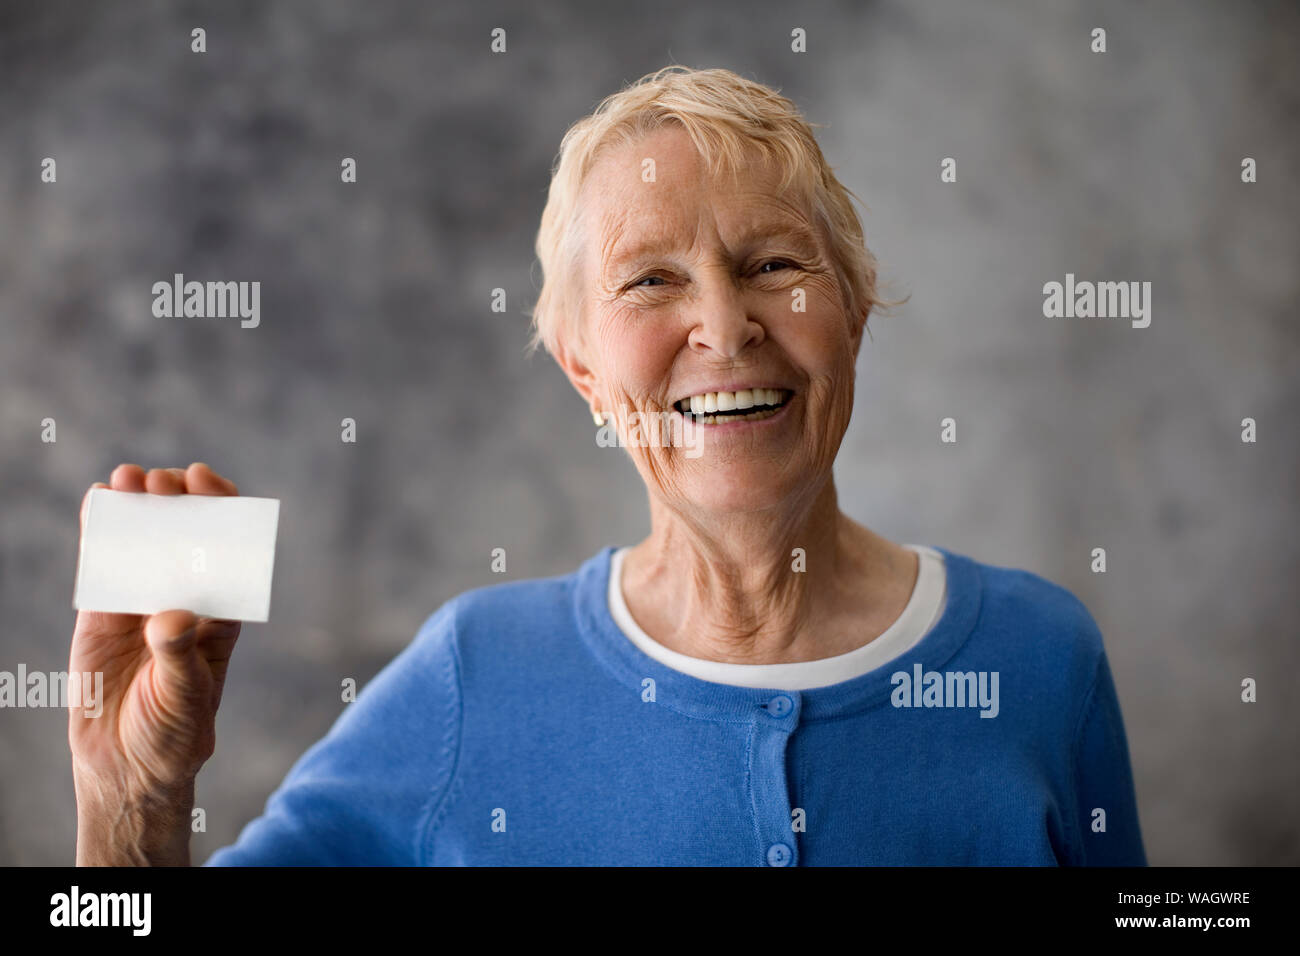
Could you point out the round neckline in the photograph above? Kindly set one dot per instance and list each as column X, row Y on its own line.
column 629, row 666
column 926, row 599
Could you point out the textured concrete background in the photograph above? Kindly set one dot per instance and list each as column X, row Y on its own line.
column 375, row 304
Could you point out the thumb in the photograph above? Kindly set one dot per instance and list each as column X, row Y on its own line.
column 171, row 636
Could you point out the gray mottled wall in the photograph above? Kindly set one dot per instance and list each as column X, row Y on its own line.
column 1073, row 434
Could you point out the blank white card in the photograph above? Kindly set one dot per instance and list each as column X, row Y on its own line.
column 144, row 553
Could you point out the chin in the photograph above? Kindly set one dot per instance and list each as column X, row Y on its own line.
column 739, row 489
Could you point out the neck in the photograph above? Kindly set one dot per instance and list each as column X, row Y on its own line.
column 800, row 584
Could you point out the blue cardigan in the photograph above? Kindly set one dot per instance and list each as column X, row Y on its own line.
column 522, row 727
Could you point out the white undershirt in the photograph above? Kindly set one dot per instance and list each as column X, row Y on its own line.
column 923, row 608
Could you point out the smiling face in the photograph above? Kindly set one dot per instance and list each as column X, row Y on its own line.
column 685, row 305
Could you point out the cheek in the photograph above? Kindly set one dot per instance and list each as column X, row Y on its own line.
column 640, row 352
column 818, row 339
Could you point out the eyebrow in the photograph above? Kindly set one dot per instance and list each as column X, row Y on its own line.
column 798, row 235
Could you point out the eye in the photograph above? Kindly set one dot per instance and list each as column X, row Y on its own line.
column 778, row 263
column 653, row 279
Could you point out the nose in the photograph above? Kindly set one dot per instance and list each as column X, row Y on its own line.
column 720, row 321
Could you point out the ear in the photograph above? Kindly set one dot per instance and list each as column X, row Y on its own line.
column 580, row 374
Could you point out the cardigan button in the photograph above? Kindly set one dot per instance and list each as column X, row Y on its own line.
column 780, row 706
column 778, row 854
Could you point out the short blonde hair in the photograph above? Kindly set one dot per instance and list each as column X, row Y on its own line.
column 726, row 117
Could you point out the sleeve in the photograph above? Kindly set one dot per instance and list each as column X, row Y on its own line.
column 1104, row 780
column 361, row 795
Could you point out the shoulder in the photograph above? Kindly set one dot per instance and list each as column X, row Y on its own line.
column 485, row 640
column 514, row 621
column 1031, row 601
column 509, row 605
column 1039, row 623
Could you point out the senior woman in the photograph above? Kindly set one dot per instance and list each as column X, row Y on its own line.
column 762, row 680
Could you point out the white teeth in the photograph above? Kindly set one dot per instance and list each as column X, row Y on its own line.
column 709, row 402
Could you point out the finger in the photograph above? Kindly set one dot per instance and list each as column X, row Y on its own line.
column 202, row 480
column 171, row 636
column 180, row 477
column 127, row 478
column 217, row 638
column 160, row 481
column 216, row 644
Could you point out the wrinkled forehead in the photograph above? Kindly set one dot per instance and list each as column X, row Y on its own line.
column 656, row 189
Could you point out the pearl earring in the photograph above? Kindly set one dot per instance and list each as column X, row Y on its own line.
column 597, row 417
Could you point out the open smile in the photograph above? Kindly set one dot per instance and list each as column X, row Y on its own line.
column 744, row 405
